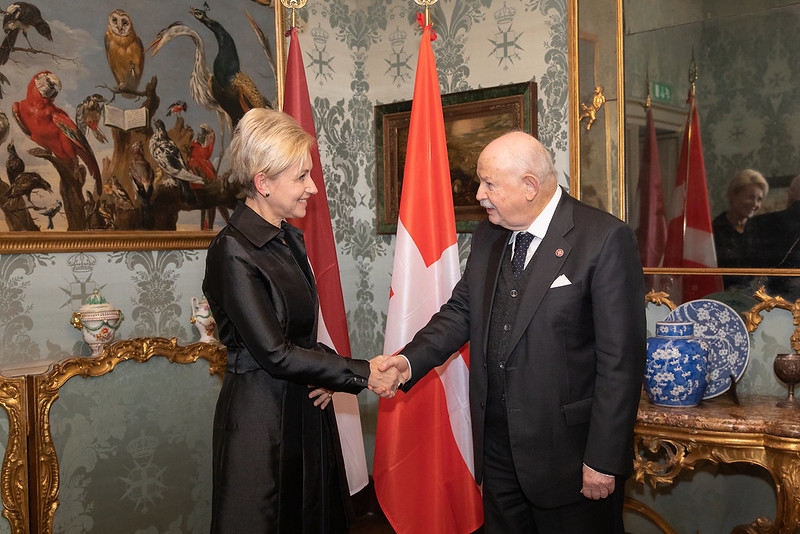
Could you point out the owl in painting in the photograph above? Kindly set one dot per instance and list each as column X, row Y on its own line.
column 124, row 51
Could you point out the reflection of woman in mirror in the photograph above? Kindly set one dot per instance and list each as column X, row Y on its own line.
column 732, row 235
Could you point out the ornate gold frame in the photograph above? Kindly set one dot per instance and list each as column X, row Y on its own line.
column 43, row 391
column 14, row 483
column 575, row 106
column 669, row 442
column 112, row 241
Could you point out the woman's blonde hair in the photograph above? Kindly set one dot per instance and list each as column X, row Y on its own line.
column 747, row 177
column 268, row 141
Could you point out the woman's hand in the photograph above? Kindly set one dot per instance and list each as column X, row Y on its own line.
column 322, row 397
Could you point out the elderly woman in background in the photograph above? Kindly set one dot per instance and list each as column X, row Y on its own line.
column 277, row 463
column 732, row 236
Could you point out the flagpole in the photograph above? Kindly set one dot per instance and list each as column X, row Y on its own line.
column 691, row 133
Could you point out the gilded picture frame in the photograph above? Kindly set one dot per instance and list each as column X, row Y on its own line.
column 77, row 47
column 472, row 119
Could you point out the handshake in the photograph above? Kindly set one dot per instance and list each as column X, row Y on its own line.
column 387, row 373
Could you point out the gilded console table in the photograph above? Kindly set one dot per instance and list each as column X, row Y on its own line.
column 755, row 431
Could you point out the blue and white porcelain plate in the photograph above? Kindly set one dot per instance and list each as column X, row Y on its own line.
column 724, row 331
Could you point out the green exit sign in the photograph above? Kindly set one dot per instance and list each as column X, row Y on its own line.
column 662, row 92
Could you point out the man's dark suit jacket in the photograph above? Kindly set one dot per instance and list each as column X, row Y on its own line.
column 776, row 244
column 577, row 352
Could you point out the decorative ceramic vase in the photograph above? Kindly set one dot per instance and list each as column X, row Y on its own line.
column 203, row 320
column 677, row 365
column 98, row 321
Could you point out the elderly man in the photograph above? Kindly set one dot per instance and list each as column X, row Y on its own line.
column 552, row 302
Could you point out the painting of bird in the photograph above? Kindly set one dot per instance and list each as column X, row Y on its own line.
column 124, row 52
column 167, row 155
column 20, row 17
column 232, row 89
column 176, row 108
column 25, row 184
column 200, row 78
column 142, row 176
column 141, row 173
column 121, row 197
column 14, row 164
column 50, row 212
column 200, row 150
column 89, row 114
column 50, row 127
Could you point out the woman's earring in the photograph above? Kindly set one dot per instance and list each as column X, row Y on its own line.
column 266, row 195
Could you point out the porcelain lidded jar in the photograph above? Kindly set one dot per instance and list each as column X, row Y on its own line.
column 98, row 321
column 203, row 320
column 677, row 365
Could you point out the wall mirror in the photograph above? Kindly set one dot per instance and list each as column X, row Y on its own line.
column 595, row 81
column 747, row 79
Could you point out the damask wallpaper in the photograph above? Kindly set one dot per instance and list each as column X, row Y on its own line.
column 358, row 53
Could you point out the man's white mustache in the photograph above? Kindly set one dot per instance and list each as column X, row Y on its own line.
column 485, row 204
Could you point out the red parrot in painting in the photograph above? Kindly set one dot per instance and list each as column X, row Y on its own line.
column 50, row 127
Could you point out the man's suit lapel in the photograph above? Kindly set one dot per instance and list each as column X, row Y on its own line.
column 546, row 263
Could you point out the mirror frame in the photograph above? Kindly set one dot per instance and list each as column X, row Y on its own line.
column 573, row 31
column 113, row 241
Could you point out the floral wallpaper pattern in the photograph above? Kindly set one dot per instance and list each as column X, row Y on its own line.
column 358, row 53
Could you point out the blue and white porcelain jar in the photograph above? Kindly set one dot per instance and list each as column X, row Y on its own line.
column 676, row 365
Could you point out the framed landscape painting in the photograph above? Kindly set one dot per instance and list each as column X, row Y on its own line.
column 472, row 119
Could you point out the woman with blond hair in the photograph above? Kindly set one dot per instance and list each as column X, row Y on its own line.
column 732, row 236
column 277, row 464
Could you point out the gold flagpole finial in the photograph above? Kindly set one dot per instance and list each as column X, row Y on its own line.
column 294, row 5
column 427, row 4
column 647, row 100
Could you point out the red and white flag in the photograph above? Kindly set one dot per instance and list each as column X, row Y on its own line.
column 321, row 248
column 423, row 449
column 690, row 237
column 652, row 229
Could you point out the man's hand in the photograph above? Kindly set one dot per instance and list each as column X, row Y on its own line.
column 383, row 380
column 596, row 485
column 399, row 363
